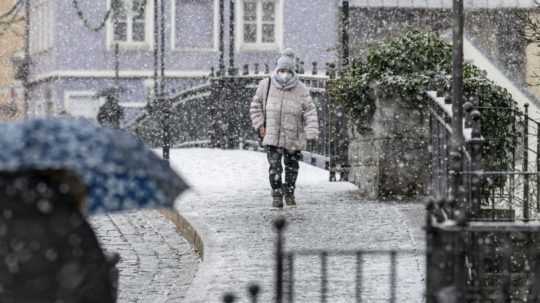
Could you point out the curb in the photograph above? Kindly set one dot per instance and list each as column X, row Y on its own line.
column 194, row 231
column 184, row 227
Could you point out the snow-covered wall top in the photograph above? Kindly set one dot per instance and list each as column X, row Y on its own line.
column 444, row 3
column 475, row 56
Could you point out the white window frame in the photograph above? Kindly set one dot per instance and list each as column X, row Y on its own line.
column 81, row 93
column 215, row 34
column 42, row 20
column 259, row 46
column 147, row 44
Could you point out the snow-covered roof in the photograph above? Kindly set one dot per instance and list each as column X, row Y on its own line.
column 445, row 3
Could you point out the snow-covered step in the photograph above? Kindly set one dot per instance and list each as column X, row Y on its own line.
column 474, row 55
column 467, row 131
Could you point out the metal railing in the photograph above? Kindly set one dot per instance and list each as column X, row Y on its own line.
column 218, row 112
column 492, row 195
column 480, row 261
column 513, row 194
column 469, row 259
column 440, row 146
column 312, row 283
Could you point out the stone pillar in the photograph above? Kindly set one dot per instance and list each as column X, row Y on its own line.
column 389, row 161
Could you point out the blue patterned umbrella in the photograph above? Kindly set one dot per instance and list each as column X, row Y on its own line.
column 120, row 173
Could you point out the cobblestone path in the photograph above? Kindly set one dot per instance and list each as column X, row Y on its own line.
column 230, row 207
column 157, row 264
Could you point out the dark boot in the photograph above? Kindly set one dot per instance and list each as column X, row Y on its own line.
column 289, row 196
column 277, row 198
column 291, row 174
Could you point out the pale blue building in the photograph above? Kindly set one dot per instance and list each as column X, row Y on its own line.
column 71, row 64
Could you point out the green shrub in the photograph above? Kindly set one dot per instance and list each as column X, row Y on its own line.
column 409, row 66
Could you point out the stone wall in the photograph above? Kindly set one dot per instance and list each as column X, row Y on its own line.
column 389, row 161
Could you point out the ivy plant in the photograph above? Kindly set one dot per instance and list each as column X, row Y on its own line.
column 404, row 69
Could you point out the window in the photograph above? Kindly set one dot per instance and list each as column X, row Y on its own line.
column 41, row 26
column 83, row 104
column 259, row 24
column 131, row 24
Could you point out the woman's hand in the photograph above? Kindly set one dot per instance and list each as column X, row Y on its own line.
column 262, row 132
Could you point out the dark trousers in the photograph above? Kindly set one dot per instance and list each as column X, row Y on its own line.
column 290, row 159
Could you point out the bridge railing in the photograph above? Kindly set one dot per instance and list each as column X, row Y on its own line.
column 217, row 112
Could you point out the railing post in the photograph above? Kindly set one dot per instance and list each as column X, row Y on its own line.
column 254, row 291
column 526, row 164
column 358, row 278
column 290, row 279
column 476, row 155
column 232, row 70
column 279, row 225
column 332, row 123
column 537, row 166
column 514, row 144
column 393, row 276
column 221, row 37
column 430, row 298
column 324, row 277
column 229, row 298
column 345, row 33
column 456, row 153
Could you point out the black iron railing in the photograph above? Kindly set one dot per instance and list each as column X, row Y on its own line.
column 216, row 114
column 306, row 275
column 480, row 261
column 469, row 259
column 440, row 111
column 511, row 193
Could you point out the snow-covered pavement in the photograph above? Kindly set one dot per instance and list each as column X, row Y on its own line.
column 230, row 208
column 157, row 265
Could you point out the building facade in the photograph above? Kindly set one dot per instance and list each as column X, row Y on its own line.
column 73, row 45
column 11, row 41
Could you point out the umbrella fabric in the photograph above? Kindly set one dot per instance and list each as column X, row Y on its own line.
column 120, row 173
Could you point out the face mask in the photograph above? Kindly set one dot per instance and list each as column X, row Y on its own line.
column 284, row 76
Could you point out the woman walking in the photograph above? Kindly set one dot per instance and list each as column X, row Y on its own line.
column 285, row 117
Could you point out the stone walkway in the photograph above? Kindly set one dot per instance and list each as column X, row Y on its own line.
column 157, row 265
column 230, row 208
